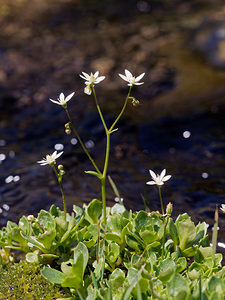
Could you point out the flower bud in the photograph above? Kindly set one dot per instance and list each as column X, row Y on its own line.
column 67, row 125
column 62, row 172
column 68, row 131
column 60, row 167
column 169, row 209
column 135, row 102
column 30, row 218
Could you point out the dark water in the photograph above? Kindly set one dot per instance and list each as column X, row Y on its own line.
column 178, row 126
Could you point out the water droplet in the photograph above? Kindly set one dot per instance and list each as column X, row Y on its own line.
column 2, row 142
column 186, row 134
column 16, row 178
column 222, row 245
column 205, row 175
column 89, row 144
column 11, row 154
column 6, row 207
column 73, row 141
column 143, row 6
column 9, row 179
column 59, row 147
column 2, row 156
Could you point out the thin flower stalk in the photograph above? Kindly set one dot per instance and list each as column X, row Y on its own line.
column 122, row 111
column 59, row 178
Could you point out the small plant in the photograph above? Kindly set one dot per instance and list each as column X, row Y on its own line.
column 90, row 82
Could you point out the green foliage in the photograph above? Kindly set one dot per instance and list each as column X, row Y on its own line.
column 23, row 281
column 127, row 259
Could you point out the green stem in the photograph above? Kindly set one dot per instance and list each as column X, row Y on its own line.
column 104, row 173
column 160, row 197
column 103, row 180
column 99, row 110
column 215, row 231
column 164, row 221
column 62, row 191
column 82, row 144
column 122, row 111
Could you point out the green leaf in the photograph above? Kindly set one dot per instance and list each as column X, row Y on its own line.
column 94, row 173
column 53, row 275
column 216, row 285
column 181, row 264
column 186, row 232
column 178, row 286
column 132, row 242
column 33, row 241
column 133, row 277
column 80, row 251
column 167, row 268
column 114, row 252
column 142, row 221
column 149, row 236
column 33, row 257
column 118, row 209
column 25, row 225
column 116, row 279
column 46, row 220
column 47, row 238
column 113, row 237
column 94, row 211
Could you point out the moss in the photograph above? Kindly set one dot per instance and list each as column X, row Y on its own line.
column 24, row 281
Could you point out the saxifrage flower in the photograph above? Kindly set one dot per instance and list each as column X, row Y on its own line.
column 131, row 79
column 92, row 78
column 50, row 159
column 62, row 100
column 158, row 179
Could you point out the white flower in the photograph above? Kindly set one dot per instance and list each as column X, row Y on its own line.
column 87, row 89
column 50, row 159
column 222, row 208
column 131, row 79
column 92, row 78
column 158, row 179
column 62, row 100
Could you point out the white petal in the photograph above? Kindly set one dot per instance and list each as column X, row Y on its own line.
column 61, row 97
column 123, row 77
column 96, row 74
column 140, row 76
column 83, row 77
column 99, row 79
column 54, row 101
column 128, row 73
column 69, row 96
column 151, row 182
column 59, row 154
column 163, row 173
column 86, row 75
column 138, row 83
column 167, row 177
column 153, row 174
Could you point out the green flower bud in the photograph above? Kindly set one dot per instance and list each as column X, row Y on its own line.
column 68, row 131
column 60, row 167
column 169, row 209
